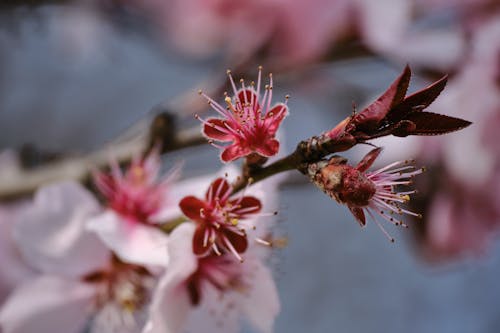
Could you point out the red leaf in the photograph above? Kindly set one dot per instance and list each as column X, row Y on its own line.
column 371, row 116
column 417, row 101
column 428, row 123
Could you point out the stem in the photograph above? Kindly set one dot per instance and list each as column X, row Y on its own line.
column 254, row 175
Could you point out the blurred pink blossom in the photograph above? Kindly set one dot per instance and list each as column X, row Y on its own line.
column 79, row 279
column 128, row 226
column 463, row 213
column 225, row 290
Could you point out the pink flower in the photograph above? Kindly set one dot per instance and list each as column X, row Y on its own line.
column 217, row 218
column 462, row 213
column 374, row 193
column 211, row 293
column 79, row 278
column 138, row 194
column 249, row 122
column 136, row 200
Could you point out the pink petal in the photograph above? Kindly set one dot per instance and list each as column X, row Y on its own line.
column 171, row 305
column 239, row 242
column 214, row 133
column 220, row 189
column 51, row 233
column 261, row 303
column 233, row 152
column 48, row 304
column 273, row 122
column 250, row 96
column 269, row 148
column 132, row 242
column 199, row 239
column 191, row 206
column 247, row 205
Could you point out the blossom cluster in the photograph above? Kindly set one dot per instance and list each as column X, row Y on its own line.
column 150, row 253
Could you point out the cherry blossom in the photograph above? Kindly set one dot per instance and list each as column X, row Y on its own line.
column 217, row 218
column 249, row 122
column 134, row 199
column 79, row 279
column 211, row 293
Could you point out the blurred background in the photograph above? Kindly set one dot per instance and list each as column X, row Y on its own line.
column 76, row 75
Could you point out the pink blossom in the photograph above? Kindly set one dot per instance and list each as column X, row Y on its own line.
column 217, row 218
column 79, row 278
column 134, row 198
column 249, row 122
column 462, row 214
column 211, row 293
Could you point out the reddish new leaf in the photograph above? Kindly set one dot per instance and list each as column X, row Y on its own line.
column 428, row 123
column 371, row 116
column 417, row 101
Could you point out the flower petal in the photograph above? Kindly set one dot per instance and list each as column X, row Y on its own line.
column 171, row 305
column 219, row 188
column 249, row 96
column 261, row 303
column 191, row 207
column 131, row 241
column 269, row 148
column 51, row 233
column 247, row 205
column 233, row 152
column 275, row 117
column 199, row 246
column 239, row 242
column 48, row 304
column 14, row 268
column 212, row 129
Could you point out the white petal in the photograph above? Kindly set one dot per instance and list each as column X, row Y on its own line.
column 217, row 312
column 261, row 304
column 131, row 241
column 18, row 270
column 51, row 235
column 48, row 304
column 171, row 304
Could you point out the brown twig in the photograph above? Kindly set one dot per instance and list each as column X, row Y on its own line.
column 22, row 182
